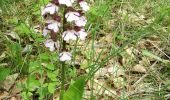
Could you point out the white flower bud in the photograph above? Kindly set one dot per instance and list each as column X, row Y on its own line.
column 65, row 56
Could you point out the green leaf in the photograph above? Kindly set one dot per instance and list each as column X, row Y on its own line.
column 7, row 5
column 50, row 66
column 52, row 75
column 149, row 54
column 75, row 91
column 15, row 53
column 33, row 83
column 43, row 2
column 26, row 95
column 33, row 66
column 84, row 64
column 99, row 10
column 51, row 87
column 53, row 56
column 23, row 29
column 44, row 56
column 43, row 91
column 4, row 72
column 167, row 84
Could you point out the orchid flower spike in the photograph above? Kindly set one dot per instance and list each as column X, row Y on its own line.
column 65, row 56
column 49, row 8
column 53, row 23
column 51, row 44
column 68, row 3
column 69, row 35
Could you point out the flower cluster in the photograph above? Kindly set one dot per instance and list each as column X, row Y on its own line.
column 73, row 23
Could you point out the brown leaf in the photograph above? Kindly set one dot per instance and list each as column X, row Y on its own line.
column 9, row 81
column 3, row 95
column 115, row 71
column 13, row 98
column 13, row 35
column 139, row 68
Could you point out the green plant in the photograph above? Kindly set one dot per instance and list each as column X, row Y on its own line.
column 125, row 56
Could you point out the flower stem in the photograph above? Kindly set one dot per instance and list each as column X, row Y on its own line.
column 63, row 81
column 63, row 63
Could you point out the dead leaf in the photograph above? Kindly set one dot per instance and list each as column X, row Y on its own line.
column 13, row 98
column 13, row 35
column 139, row 68
column 129, row 51
column 115, row 71
column 9, row 81
column 56, row 95
column 110, row 93
column 100, row 73
column 4, row 64
column 87, row 95
column 27, row 49
column 37, row 28
column 2, row 56
column 15, row 90
column 107, row 39
column 3, row 95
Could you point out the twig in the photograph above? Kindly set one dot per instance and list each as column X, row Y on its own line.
column 159, row 49
column 138, row 81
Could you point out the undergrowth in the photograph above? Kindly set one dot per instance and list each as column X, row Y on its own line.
column 126, row 54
